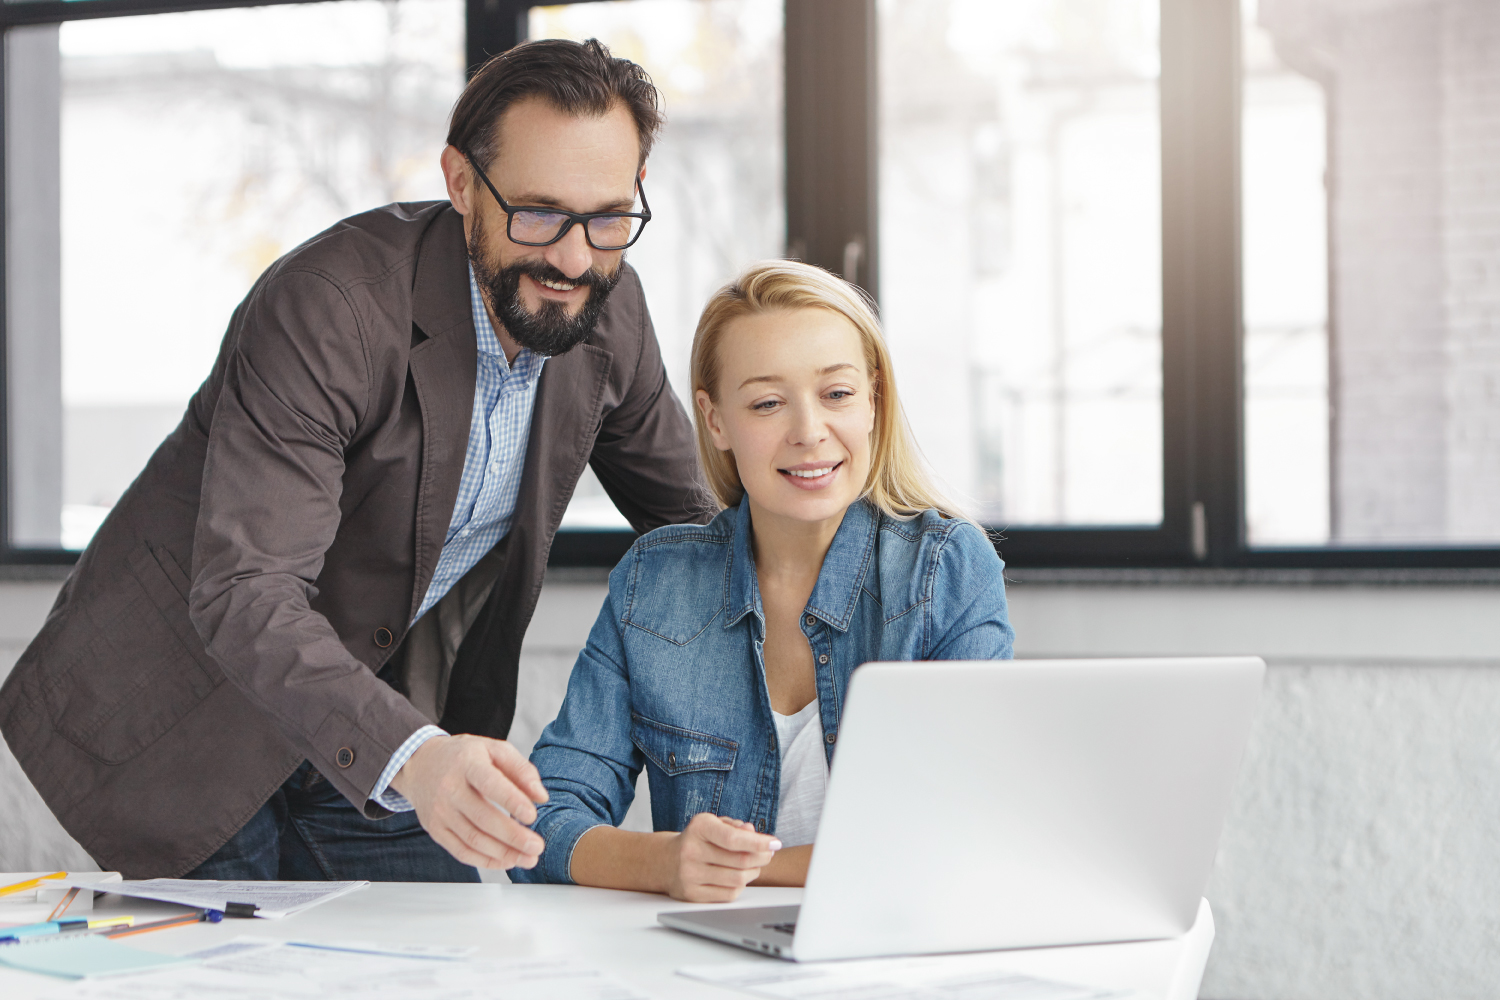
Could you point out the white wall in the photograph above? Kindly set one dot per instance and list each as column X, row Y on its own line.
column 1361, row 858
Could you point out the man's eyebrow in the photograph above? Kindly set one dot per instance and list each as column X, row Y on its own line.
column 535, row 200
column 777, row 378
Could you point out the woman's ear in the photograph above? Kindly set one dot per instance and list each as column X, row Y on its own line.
column 712, row 419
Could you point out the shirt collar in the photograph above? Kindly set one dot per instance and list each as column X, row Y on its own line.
column 527, row 363
column 836, row 594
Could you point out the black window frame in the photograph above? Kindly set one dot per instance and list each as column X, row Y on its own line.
column 832, row 220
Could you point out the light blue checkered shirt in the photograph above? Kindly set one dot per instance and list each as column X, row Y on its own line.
column 504, row 395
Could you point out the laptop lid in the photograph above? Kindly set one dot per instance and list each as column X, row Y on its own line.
column 1006, row 804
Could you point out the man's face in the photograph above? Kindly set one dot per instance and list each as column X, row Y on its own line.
column 549, row 298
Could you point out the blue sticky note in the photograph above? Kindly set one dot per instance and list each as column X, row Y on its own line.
column 74, row 956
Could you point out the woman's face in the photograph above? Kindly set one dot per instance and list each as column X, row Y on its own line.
column 796, row 407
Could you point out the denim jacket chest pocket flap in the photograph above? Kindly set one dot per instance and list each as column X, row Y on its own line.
column 678, row 751
column 676, row 588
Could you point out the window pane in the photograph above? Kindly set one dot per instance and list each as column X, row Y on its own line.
column 195, row 149
column 715, row 174
column 1372, row 299
column 1021, row 250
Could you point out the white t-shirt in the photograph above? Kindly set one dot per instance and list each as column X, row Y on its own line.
column 804, row 775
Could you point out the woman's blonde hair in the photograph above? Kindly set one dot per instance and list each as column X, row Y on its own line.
column 898, row 484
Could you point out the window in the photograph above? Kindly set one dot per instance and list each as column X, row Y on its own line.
column 184, row 153
column 1020, row 227
column 1169, row 282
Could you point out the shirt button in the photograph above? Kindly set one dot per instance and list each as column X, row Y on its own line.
column 830, row 738
column 345, row 757
column 383, row 639
column 823, row 658
column 810, row 620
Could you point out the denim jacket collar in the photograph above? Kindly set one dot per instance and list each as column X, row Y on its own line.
column 836, row 593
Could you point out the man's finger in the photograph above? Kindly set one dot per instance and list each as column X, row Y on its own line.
column 496, row 853
column 479, row 811
column 490, row 784
column 518, row 769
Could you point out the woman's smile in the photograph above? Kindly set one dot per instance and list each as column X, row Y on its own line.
column 811, row 475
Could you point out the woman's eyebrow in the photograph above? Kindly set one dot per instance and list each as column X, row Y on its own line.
column 829, row 370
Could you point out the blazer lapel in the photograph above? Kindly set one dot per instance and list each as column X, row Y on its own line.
column 443, row 365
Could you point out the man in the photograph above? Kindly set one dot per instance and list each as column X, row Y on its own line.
column 263, row 664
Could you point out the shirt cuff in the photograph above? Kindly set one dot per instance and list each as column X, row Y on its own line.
column 382, row 794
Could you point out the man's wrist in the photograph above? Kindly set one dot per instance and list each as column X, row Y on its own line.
column 388, row 788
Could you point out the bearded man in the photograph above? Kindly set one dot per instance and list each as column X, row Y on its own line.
column 291, row 650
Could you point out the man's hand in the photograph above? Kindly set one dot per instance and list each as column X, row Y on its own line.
column 455, row 783
column 714, row 858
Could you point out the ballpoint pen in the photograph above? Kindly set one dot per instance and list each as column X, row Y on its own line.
column 9, row 934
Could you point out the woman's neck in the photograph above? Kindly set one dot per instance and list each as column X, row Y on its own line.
column 788, row 549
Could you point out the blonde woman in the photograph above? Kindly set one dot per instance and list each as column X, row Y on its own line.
column 720, row 660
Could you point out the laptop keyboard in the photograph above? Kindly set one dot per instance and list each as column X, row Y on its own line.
column 788, row 928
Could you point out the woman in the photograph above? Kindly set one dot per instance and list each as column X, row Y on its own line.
column 721, row 658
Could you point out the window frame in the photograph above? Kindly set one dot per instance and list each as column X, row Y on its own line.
column 832, row 220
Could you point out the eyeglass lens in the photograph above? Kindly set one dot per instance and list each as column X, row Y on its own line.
column 606, row 232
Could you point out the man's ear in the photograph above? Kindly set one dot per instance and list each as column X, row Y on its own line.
column 712, row 419
column 459, row 179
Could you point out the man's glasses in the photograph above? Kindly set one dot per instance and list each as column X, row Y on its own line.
column 541, row 227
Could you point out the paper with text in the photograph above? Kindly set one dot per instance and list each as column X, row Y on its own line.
column 948, row 977
column 254, row 969
column 272, row 899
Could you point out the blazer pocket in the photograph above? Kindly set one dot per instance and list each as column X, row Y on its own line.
column 134, row 677
column 688, row 769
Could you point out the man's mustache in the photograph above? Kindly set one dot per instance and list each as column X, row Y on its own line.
column 540, row 270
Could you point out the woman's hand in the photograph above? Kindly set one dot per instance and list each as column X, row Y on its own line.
column 714, row 858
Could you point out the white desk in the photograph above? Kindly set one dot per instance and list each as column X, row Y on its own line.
column 613, row 931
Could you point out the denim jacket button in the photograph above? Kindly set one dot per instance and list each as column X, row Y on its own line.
column 760, row 826
column 830, row 738
column 810, row 620
column 671, row 760
column 823, row 658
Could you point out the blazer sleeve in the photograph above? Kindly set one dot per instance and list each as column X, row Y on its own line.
column 586, row 758
column 295, row 392
column 967, row 614
column 645, row 454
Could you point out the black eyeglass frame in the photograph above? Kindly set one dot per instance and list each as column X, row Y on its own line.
column 574, row 218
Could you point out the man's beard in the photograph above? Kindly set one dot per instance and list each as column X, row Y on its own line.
column 549, row 331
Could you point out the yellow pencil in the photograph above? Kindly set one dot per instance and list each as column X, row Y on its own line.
column 30, row 883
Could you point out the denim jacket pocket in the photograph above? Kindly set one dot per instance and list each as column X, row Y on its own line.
column 687, row 770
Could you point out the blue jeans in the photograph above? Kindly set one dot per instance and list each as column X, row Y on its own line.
column 308, row 831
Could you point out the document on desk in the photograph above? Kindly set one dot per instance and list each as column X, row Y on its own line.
column 271, row 899
column 947, row 977
column 255, row 968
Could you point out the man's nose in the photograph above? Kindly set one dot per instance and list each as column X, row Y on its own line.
column 572, row 254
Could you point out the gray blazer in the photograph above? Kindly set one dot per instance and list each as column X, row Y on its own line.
column 282, row 537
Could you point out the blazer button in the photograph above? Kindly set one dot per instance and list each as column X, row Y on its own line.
column 823, row 658
column 345, row 757
column 810, row 620
column 831, row 737
column 671, row 760
column 383, row 637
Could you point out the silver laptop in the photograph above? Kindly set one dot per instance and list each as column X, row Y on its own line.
column 1012, row 804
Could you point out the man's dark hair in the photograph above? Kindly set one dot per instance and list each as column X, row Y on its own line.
column 577, row 78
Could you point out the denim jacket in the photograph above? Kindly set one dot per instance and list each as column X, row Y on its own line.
column 673, row 680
